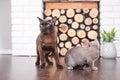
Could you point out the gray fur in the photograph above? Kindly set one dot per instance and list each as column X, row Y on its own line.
column 83, row 55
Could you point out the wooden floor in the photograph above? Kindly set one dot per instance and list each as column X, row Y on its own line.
column 23, row 68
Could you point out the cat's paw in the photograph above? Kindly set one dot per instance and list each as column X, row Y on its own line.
column 69, row 67
column 94, row 68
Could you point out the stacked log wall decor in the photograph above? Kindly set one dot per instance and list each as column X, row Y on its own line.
column 76, row 22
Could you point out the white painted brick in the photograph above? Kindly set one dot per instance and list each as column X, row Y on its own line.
column 109, row 2
column 106, row 27
column 30, row 21
column 17, row 21
column 17, row 9
column 18, row 39
column 29, row 33
column 17, row 14
column 110, row 15
column 29, row 46
column 18, row 47
column 32, row 8
column 106, row 8
column 104, row 21
column 117, row 21
column 17, row 33
column 16, row 27
column 116, row 8
column 31, row 28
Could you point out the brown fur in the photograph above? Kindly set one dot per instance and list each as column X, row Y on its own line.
column 47, row 43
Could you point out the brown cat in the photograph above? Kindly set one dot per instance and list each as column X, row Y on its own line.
column 46, row 43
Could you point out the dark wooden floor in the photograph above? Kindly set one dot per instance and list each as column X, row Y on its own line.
column 23, row 68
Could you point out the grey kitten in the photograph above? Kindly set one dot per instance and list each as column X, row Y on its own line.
column 83, row 55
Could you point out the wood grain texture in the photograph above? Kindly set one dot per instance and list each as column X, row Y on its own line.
column 63, row 28
column 88, row 21
column 71, row 32
column 23, row 68
column 68, row 5
column 75, row 25
column 69, row 0
column 93, row 13
column 92, row 34
column 63, row 51
column 56, row 13
column 79, row 18
column 75, row 40
column 68, row 44
column 63, row 19
column 81, row 33
column 70, row 13
column 63, row 37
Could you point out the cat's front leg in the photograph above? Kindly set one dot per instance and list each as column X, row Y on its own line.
column 93, row 67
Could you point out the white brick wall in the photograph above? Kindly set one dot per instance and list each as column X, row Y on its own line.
column 25, row 25
column 110, row 17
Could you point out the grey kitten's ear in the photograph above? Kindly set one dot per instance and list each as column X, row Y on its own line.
column 54, row 19
column 96, row 40
column 39, row 19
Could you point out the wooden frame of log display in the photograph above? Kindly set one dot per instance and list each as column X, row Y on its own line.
column 76, row 22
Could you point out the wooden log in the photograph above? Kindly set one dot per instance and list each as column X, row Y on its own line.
column 75, row 40
column 85, row 10
column 75, row 25
column 78, row 10
column 95, row 20
column 63, row 51
column 47, row 12
column 56, row 13
column 88, row 21
column 92, row 34
column 87, row 28
column 95, row 27
column 78, row 18
column 93, row 13
column 63, row 37
column 71, row 32
column 69, row 21
column 82, row 26
column 62, row 11
column 61, row 44
column 68, row 44
column 63, row 28
column 85, row 42
column 62, row 19
column 70, row 13
column 81, row 33
column 73, row 5
column 48, row 18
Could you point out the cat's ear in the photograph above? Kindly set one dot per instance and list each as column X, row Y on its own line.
column 96, row 42
column 54, row 19
column 40, row 20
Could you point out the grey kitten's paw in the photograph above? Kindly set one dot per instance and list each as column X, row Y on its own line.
column 94, row 68
column 69, row 67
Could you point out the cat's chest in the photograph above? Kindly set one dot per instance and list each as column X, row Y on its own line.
column 50, row 38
